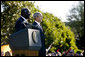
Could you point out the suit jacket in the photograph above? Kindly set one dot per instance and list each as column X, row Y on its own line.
column 41, row 30
column 21, row 24
column 42, row 51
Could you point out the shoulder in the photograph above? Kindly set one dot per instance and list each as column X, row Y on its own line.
column 34, row 23
column 19, row 20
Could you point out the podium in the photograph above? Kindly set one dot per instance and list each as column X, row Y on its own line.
column 26, row 42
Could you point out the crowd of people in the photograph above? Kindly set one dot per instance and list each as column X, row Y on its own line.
column 69, row 52
column 6, row 53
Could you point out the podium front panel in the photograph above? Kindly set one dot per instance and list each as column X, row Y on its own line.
column 25, row 39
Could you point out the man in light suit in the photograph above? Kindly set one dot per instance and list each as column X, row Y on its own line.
column 38, row 19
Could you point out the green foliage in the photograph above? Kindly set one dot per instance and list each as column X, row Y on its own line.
column 57, row 32
column 53, row 49
column 76, row 18
column 54, row 30
column 76, row 22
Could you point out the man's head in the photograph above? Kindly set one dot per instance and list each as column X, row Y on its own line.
column 25, row 13
column 38, row 17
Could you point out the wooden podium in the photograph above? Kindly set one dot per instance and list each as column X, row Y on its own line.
column 26, row 42
column 24, row 53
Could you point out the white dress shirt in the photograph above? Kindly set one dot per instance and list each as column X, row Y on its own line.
column 25, row 20
column 39, row 25
column 37, row 22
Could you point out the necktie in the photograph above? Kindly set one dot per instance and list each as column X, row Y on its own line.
column 41, row 27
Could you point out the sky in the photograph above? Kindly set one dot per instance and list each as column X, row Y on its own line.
column 58, row 8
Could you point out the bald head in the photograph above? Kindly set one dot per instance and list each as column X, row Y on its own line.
column 25, row 13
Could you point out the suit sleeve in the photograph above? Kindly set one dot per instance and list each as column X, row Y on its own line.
column 19, row 26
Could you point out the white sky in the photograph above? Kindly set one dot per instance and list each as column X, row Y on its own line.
column 57, row 8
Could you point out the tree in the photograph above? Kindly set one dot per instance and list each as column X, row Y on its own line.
column 55, row 31
column 12, row 11
column 76, row 19
column 57, row 34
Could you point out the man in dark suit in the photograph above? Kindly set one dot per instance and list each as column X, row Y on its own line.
column 22, row 21
column 38, row 19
